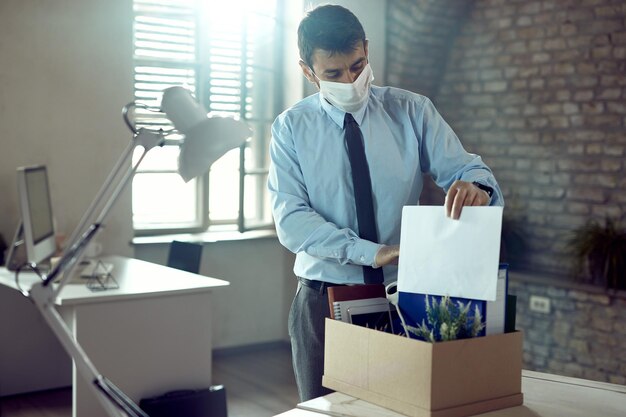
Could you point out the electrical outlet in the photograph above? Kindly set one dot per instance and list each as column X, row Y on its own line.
column 539, row 304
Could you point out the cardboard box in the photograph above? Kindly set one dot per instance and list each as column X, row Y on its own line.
column 419, row 379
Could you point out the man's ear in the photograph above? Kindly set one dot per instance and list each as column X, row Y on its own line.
column 365, row 45
column 307, row 72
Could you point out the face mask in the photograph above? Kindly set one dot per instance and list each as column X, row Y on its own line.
column 348, row 97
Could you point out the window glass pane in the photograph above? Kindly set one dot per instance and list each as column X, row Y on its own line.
column 257, row 205
column 225, row 53
column 163, row 200
column 260, row 88
column 257, row 152
column 164, row 36
column 158, row 159
column 224, row 188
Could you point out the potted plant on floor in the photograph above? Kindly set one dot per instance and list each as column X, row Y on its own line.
column 600, row 252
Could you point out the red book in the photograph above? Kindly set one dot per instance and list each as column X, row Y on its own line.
column 353, row 292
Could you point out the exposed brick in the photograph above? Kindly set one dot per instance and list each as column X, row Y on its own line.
column 616, row 107
column 602, row 180
column 601, row 52
column 556, row 82
column 586, row 194
column 614, row 150
column 609, row 11
column 606, row 211
column 540, row 58
column 592, row 107
column 495, row 86
column 610, row 93
column 570, row 108
column 559, row 122
column 568, row 29
column 529, row 8
column 537, row 87
column 583, row 95
column 619, row 53
column 605, row 120
column 573, row 369
column 617, row 379
column 611, row 165
column 619, row 37
column 564, row 68
column 552, row 44
column 583, row 82
column 563, row 95
column 578, row 208
column 537, row 83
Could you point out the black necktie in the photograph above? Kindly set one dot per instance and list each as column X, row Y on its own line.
column 363, row 200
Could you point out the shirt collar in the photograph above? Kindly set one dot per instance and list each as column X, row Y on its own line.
column 338, row 115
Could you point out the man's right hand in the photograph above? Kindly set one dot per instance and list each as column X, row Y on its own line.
column 388, row 255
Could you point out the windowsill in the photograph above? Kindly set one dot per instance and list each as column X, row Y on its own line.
column 211, row 236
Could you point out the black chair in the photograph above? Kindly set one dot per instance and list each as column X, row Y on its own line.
column 185, row 256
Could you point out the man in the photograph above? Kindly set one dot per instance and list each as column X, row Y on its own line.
column 339, row 208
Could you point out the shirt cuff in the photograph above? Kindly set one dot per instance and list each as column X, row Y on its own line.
column 364, row 253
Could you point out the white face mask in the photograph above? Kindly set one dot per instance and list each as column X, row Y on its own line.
column 348, row 97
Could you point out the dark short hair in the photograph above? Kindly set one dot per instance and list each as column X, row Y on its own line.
column 331, row 28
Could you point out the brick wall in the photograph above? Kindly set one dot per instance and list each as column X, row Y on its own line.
column 583, row 335
column 419, row 36
column 538, row 88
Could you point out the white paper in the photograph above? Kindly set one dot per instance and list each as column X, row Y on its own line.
column 441, row 256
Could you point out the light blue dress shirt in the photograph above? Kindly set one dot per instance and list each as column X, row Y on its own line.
column 311, row 186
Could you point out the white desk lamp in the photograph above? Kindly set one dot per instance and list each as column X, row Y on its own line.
column 206, row 140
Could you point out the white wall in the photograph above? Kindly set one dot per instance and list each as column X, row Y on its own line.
column 65, row 73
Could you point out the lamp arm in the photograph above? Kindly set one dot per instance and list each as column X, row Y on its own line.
column 44, row 295
column 104, row 190
column 106, row 197
column 111, row 398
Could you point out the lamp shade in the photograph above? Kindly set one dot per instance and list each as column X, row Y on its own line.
column 206, row 139
column 181, row 108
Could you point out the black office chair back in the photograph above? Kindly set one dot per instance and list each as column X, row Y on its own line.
column 185, row 256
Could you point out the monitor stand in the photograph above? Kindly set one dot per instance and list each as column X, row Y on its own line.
column 16, row 256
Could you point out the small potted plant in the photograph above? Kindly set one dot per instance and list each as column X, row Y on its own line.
column 600, row 252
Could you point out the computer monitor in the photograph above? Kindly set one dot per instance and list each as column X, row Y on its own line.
column 36, row 230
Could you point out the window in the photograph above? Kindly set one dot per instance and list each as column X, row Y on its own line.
column 227, row 54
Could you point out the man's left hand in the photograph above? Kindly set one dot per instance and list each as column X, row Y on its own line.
column 463, row 193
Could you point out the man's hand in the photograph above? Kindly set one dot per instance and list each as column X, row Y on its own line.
column 463, row 193
column 388, row 255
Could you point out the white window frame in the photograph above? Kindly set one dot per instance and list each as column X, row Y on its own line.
column 258, row 145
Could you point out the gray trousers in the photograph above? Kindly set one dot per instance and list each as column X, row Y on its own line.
column 306, row 330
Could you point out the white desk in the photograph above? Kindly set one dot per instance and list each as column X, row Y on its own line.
column 151, row 335
column 545, row 395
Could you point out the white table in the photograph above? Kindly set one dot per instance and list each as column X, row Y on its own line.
column 151, row 335
column 545, row 395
